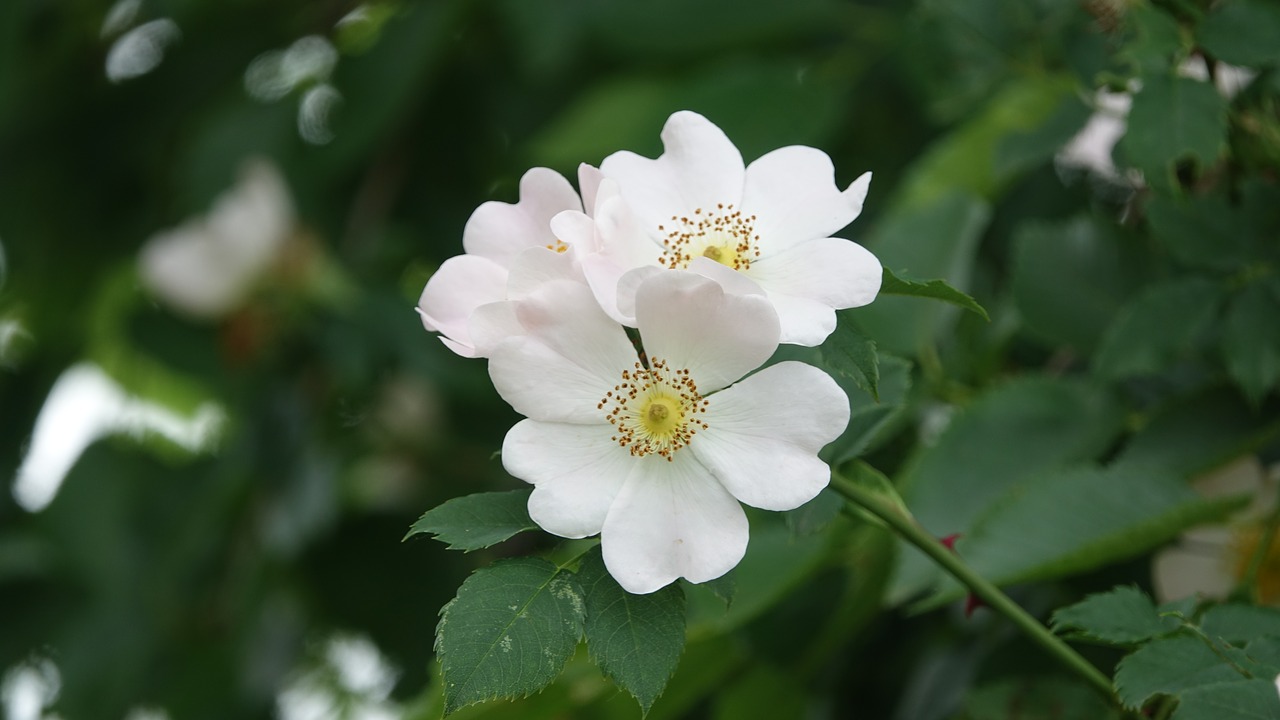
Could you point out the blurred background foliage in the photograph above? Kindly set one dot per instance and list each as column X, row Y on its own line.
column 225, row 539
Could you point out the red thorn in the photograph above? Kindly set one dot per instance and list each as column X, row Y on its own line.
column 972, row 602
column 950, row 541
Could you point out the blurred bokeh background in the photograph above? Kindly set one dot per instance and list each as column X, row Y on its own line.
column 219, row 413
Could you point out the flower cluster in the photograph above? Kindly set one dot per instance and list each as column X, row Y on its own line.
column 624, row 324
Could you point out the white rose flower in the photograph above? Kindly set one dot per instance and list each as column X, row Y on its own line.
column 770, row 221
column 654, row 450
column 497, row 238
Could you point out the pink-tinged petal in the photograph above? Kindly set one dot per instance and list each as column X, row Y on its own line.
column 499, row 230
column 792, row 192
column 731, row 280
column 693, row 324
column 589, row 179
column 538, row 266
column 577, row 472
column 699, row 168
column 672, row 520
column 577, row 230
column 542, row 384
column 622, row 249
column 764, row 434
column 626, row 288
column 491, row 324
column 461, row 284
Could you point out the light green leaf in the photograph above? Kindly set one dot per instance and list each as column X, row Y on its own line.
column 1122, row 616
column 477, row 521
column 1174, row 118
column 1074, row 520
column 1250, row 342
column 1049, row 263
column 1169, row 666
column 1237, row 624
column 635, row 639
column 1042, row 423
column 1239, row 700
column 1242, row 32
column 508, row 632
column 1157, row 327
column 935, row 289
column 849, row 353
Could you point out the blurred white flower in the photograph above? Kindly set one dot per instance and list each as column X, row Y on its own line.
column 208, row 266
column 698, row 207
column 141, row 50
column 655, row 451
column 353, row 681
column 1210, row 560
column 1091, row 148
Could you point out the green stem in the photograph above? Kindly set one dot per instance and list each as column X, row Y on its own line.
column 907, row 527
column 1248, row 587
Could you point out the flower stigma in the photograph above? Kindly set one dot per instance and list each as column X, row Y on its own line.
column 654, row 409
column 724, row 235
column 559, row 246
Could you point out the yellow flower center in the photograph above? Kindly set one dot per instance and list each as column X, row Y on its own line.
column 559, row 246
column 724, row 235
column 654, row 409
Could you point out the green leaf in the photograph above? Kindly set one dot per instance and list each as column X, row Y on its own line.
column 1239, row 700
column 849, row 353
column 1156, row 39
column 1169, row 666
column 1049, row 261
column 935, row 289
column 1174, row 118
column 1037, row 697
column 1198, row 433
column 635, row 639
column 937, row 239
column 508, row 632
column 1158, row 327
column 1200, row 231
column 1242, row 32
column 816, row 514
column 763, row 692
column 1250, row 342
column 1042, row 423
column 1237, row 624
column 1122, row 616
column 871, row 422
column 1074, row 520
column 477, row 521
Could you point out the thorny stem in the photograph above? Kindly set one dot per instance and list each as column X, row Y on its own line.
column 909, row 530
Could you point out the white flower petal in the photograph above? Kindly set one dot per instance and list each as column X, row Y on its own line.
column 764, row 434
column 804, row 322
column 489, row 325
column 589, row 179
column 810, row 279
column 462, row 284
column 671, row 520
column 537, row 266
column 577, row 472
column 564, row 315
column 793, row 194
column 692, row 323
column 499, row 230
column 699, row 167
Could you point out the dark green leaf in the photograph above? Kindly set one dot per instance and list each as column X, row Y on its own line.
column 816, row 514
column 1198, row 433
column 509, row 631
column 1238, row 624
column 1201, row 232
column 1170, row 666
column 1157, row 327
column 763, row 692
column 1174, row 118
column 1251, row 340
column 1239, row 700
column 935, row 289
column 871, row 422
column 1042, row 423
column 477, row 521
column 1037, row 697
column 1156, row 39
column 1069, row 279
column 635, row 639
column 850, row 353
column 1122, row 616
column 1242, row 32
